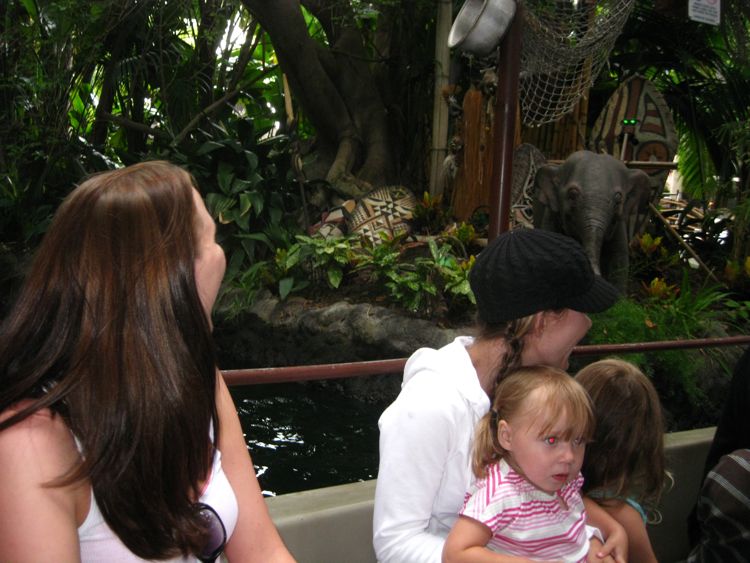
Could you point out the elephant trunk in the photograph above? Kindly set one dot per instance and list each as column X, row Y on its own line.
column 591, row 239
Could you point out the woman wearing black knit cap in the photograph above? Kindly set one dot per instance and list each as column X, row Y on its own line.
column 533, row 289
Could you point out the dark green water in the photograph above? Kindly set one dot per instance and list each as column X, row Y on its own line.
column 311, row 435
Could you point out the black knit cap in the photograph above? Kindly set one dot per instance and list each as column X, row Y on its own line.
column 525, row 271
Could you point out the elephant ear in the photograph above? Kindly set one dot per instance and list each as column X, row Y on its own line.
column 546, row 202
column 635, row 208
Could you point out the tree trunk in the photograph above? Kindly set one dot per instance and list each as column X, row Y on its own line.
column 335, row 87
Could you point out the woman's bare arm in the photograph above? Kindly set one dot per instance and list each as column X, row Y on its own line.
column 39, row 523
column 255, row 538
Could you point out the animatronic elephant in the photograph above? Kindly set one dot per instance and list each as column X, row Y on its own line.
column 597, row 200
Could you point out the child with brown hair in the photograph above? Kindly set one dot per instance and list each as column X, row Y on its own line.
column 527, row 456
column 624, row 467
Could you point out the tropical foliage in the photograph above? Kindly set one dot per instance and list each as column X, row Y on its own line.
column 89, row 86
column 703, row 71
column 270, row 130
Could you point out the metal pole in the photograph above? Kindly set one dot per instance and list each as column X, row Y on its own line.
column 506, row 102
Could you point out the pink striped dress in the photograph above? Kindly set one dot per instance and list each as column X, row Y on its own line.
column 526, row 521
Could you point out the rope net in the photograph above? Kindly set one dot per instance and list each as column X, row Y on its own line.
column 565, row 44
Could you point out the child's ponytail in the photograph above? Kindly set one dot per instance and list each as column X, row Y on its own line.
column 487, row 449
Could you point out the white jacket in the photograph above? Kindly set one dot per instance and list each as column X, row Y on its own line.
column 425, row 454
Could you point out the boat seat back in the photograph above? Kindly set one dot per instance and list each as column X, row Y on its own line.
column 334, row 524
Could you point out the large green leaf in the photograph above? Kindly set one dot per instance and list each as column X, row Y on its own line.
column 256, row 201
column 246, row 203
column 219, row 204
column 285, row 286
column 208, row 147
column 335, row 276
column 30, row 7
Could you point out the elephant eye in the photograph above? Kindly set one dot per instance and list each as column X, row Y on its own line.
column 618, row 197
column 573, row 193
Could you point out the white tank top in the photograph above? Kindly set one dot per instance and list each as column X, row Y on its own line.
column 100, row 544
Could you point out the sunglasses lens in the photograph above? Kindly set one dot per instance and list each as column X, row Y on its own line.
column 217, row 535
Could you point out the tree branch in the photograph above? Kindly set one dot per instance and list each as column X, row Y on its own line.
column 246, row 52
column 130, row 124
column 204, row 113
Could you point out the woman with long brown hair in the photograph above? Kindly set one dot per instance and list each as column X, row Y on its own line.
column 119, row 441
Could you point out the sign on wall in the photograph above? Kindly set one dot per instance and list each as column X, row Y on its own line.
column 705, row 11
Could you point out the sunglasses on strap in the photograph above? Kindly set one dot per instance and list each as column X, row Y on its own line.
column 217, row 533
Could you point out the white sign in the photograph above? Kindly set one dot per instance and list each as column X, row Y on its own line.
column 705, row 11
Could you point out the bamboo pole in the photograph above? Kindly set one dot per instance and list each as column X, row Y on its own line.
column 440, row 114
column 682, row 242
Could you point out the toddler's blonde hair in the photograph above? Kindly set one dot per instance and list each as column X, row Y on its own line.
column 560, row 396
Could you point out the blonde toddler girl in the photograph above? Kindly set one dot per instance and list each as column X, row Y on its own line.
column 528, row 452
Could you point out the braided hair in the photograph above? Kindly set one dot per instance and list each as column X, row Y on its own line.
column 514, row 334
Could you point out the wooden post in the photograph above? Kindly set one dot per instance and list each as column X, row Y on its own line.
column 440, row 115
column 506, row 101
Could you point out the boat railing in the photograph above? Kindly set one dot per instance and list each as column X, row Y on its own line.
column 314, row 372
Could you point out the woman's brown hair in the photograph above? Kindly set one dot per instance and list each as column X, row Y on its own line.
column 108, row 331
column 561, row 396
column 626, row 456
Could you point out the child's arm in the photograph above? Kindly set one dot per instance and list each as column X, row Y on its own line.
column 467, row 543
column 616, row 541
column 639, row 544
column 595, row 546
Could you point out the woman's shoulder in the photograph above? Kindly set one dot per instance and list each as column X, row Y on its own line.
column 41, row 418
column 42, row 436
column 440, row 371
column 35, row 453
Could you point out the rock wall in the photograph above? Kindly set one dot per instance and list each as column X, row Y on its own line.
column 298, row 332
